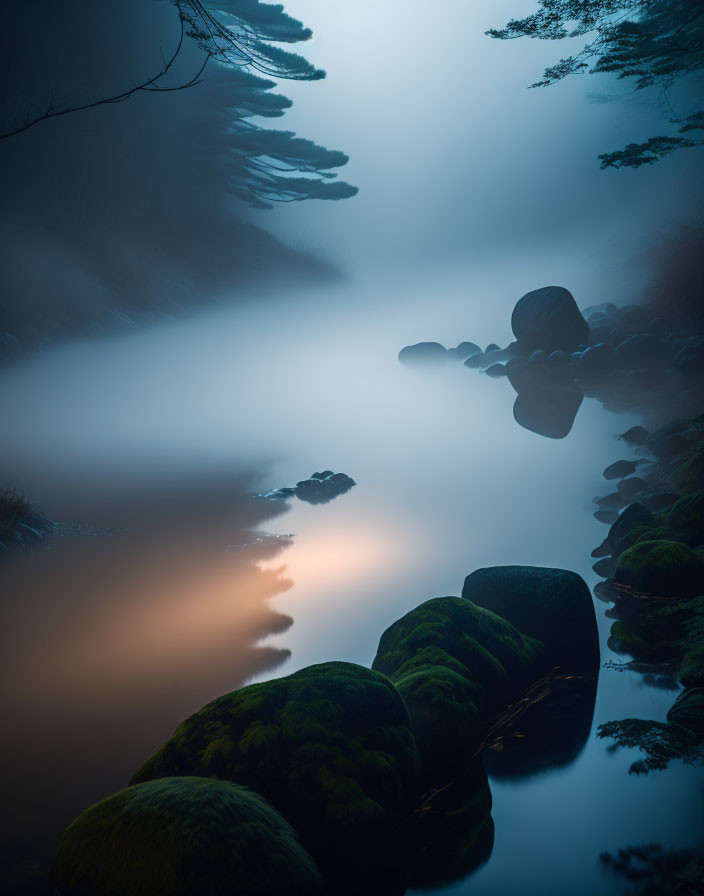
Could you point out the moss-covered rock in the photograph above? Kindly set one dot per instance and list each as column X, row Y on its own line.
column 691, row 671
column 685, row 519
column 330, row 747
column 183, row 837
column 552, row 605
column 662, row 568
column 690, row 475
column 453, row 663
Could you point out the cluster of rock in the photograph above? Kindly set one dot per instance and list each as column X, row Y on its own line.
column 319, row 489
column 344, row 779
column 653, row 562
column 625, row 358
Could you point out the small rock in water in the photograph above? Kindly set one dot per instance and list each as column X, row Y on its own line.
column 319, row 489
column 636, row 435
column 605, row 567
column 423, row 353
column 492, row 347
column 603, row 550
column 621, row 469
column 615, row 499
column 496, row 370
column 606, row 516
column 464, row 350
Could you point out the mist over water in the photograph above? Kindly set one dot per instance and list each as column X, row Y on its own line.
column 171, row 584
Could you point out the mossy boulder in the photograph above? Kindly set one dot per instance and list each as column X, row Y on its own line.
column 551, row 605
column 685, row 519
column 183, row 836
column 330, row 747
column 453, row 663
column 661, row 568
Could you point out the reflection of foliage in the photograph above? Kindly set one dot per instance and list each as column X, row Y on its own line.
column 650, row 870
column 656, row 675
column 662, row 742
column 653, row 43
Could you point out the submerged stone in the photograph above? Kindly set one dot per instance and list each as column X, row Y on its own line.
column 552, row 605
column 423, row 353
column 183, row 836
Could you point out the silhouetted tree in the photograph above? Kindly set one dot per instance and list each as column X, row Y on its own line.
column 264, row 166
column 653, row 43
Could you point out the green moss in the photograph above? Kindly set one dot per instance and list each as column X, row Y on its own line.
column 662, row 568
column 330, row 747
column 454, row 663
column 685, row 519
column 649, row 533
column 183, row 837
column 622, row 639
column 691, row 474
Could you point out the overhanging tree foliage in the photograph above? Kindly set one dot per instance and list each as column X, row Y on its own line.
column 264, row 166
column 653, row 43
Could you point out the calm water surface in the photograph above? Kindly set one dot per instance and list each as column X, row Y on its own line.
column 173, row 585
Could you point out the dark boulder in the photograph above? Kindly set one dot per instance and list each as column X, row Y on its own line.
column 552, row 605
column 549, row 319
column 183, row 836
column 423, row 353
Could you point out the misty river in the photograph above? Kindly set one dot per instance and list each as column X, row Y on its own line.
column 171, row 584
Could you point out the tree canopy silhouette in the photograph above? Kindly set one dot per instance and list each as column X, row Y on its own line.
column 653, row 43
column 264, row 166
